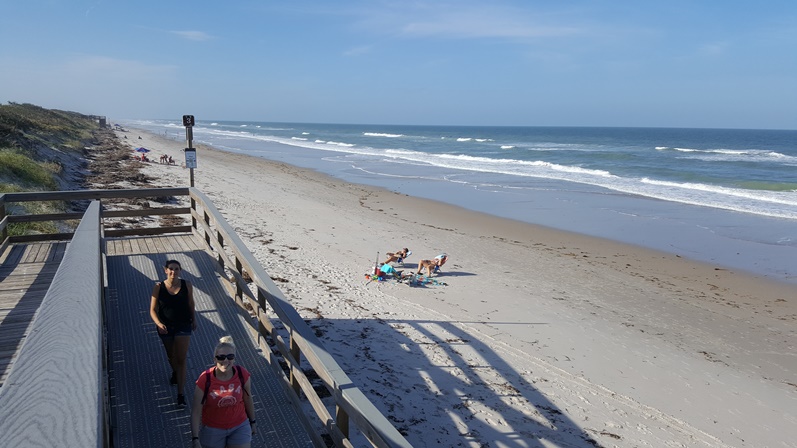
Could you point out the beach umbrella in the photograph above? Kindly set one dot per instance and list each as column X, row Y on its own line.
column 142, row 149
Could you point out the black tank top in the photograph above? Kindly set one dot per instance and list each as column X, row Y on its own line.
column 173, row 309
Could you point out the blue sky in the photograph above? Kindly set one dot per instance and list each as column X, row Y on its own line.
column 675, row 63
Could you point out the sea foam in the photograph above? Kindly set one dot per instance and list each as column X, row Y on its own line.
column 379, row 134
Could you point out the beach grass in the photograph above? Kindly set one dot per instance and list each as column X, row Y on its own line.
column 21, row 171
column 36, row 145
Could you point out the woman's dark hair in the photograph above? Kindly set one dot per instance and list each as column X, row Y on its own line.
column 168, row 262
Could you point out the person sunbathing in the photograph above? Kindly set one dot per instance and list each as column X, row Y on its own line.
column 397, row 256
column 432, row 265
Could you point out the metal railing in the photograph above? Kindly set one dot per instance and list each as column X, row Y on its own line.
column 56, row 393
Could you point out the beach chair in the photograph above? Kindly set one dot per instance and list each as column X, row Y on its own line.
column 443, row 258
column 401, row 259
column 398, row 260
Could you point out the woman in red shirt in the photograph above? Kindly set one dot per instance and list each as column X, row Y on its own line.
column 223, row 406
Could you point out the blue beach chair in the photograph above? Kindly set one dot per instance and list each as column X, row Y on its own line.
column 443, row 258
column 401, row 259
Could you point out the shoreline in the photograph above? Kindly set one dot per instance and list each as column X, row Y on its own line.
column 580, row 314
column 759, row 244
column 520, row 227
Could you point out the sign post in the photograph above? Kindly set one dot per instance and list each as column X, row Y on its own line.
column 190, row 152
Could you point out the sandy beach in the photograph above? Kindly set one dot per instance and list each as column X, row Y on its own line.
column 537, row 338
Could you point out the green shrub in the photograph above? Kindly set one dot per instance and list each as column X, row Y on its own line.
column 29, row 208
column 24, row 124
column 26, row 172
column 29, row 135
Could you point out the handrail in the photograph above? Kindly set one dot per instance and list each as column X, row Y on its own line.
column 352, row 403
column 77, row 195
column 80, row 195
column 55, row 392
column 3, row 224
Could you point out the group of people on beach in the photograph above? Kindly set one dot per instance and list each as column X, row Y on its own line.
column 164, row 159
column 432, row 265
column 222, row 412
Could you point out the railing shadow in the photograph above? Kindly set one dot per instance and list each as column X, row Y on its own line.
column 390, row 367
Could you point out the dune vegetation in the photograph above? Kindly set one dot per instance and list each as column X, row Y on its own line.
column 40, row 150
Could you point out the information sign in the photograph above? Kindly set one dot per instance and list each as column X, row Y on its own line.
column 190, row 158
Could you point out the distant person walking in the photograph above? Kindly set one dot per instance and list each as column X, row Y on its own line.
column 172, row 309
column 223, row 413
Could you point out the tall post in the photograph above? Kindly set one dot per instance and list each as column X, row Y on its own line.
column 4, row 230
column 189, row 136
column 190, row 152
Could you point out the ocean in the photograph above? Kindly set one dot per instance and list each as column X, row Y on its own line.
column 722, row 196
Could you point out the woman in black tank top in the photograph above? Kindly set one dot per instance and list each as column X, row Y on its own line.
column 172, row 310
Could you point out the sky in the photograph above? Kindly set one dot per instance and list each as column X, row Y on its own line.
column 675, row 63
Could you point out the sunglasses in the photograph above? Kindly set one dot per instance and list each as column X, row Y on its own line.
column 231, row 356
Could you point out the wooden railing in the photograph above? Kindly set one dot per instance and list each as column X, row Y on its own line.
column 297, row 342
column 56, row 393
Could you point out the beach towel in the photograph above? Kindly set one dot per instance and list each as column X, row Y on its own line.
column 421, row 280
column 387, row 269
column 385, row 272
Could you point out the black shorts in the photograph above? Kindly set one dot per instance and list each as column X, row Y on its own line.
column 176, row 330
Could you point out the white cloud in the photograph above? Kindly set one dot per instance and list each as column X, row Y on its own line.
column 193, row 35
column 486, row 23
column 713, row 49
column 465, row 21
column 356, row 51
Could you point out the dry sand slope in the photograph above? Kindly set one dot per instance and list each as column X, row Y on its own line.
column 540, row 338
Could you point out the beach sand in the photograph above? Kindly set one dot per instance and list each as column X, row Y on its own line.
column 538, row 337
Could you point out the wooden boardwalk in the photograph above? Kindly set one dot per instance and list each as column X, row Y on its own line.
column 143, row 410
column 25, row 274
column 83, row 308
column 144, row 413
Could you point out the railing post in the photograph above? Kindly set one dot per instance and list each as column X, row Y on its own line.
column 239, row 290
column 296, row 353
column 4, row 231
column 219, row 258
column 342, row 420
column 207, row 226
column 4, row 242
column 193, row 215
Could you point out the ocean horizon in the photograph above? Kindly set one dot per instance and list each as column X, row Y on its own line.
column 722, row 196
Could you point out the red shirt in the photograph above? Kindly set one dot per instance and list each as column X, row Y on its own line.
column 224, row 403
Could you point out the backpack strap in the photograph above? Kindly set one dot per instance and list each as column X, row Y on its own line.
column 241, row 375
column 208, row 373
